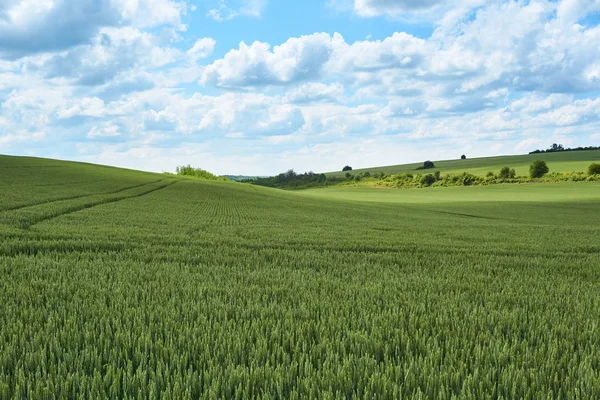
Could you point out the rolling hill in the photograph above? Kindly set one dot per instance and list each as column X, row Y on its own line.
column 567, row 161
column 124, row 284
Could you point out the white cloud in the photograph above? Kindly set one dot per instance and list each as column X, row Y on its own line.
column 151, row 13
column 201, row 49
column 88, row 106
column 315, row 92
column 298, row 59
column 9, row 139
column 112, row 52
column 371, row 8
column 106, row 130
column 34, row 26
column 225, row 10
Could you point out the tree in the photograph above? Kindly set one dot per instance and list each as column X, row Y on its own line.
column 347, row 168
column 428, row 164
column 538, row 168
column 290, row 174
column 506, row 173
column 463, row 157
column 594, row 169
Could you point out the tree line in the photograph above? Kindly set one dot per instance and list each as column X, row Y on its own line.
column 559, row 147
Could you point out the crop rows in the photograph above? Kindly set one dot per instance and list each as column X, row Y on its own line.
column 221, row 290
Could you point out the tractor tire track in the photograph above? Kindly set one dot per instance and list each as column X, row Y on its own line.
column 80, row 196
column 28, row 224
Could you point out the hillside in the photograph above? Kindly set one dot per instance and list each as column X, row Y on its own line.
column 568, row 161
column 122, row 284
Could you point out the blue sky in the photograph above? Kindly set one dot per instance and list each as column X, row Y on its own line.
column 261, row 86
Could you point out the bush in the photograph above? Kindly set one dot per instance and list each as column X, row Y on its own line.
column 367, row 174
column 348, row 175
column 463, row 157
column 506, row 173
column 188, row 170
column 427, row 164
column 428, row 180
column 347, row 168
column 490, row 174
column 594, row 169
column 538, row 168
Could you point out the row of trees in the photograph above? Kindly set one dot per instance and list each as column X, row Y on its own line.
column 290, row 179
column 556, row 147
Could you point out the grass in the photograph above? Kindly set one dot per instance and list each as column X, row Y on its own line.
column 568, row 161
column 120, row 284
column 534, row 192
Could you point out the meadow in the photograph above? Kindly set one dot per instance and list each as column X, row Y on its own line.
column 567, row 161
column 123, row 284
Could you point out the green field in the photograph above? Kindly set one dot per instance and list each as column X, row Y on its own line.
column 123, row 284
column 566, row 161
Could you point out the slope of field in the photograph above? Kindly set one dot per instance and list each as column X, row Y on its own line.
column 192, row 289
column 567, row 161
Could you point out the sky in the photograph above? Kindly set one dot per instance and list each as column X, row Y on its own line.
column 256, row 87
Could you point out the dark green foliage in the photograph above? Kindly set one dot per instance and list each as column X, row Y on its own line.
column 490, row 174
column 428, row 180
column 559, row 147
column 347, row 168
column 594, row 169
column 538, row 168
column 348, row 175
column 428, row 164
column 506, row 173
column 188, row 170
column 292, row 180
column 463, row 157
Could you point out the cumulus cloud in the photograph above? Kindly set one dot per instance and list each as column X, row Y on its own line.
column 315, row 92
column 34, row 26
column 298, row 59
column 106, row 130
column 112, row 51
column 201, row 49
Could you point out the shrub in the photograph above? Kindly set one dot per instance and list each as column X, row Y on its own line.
column 188, row 170
column 490, row 174
column 428, row 164
column 467, row 179
column 367, row 174
column 506, row 173
column 594, row 169
column 538, row 168
column 347, row 168
column 437, row 175
column 463, row 157
column 348, row 175
column 428, row 180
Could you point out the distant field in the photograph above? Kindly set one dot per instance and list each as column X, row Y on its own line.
column 122, row 284
column 530, row 193
column 567, row 161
